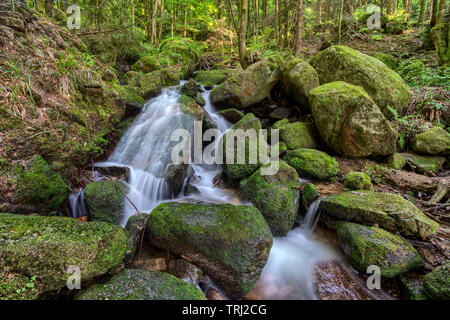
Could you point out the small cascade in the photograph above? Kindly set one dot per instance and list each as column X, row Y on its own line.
column 77, row 205
column 311, row 217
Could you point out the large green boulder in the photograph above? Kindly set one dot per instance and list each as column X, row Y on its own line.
column 436, row 284
column 44, row 247
column 396, row 161
column 130, row 95
column 230, row 243
column 313, row 163
column 105, row 201
column 274, row 196
column 350, row 122
column 389, row 211
column 367, row 246
column 210, row 77
column 170, row 76
column 387, row 59
column 247, row 87
column 189, row 107
column 189, row 88
column 385, row 86
column 242, row 164
column 435, row 141
column 151, row 84
column 358, row 181
column 423, row 164
column 298, row 135
column 298, row 79
column 142, row 285
column 39, row 185
column 150, row 63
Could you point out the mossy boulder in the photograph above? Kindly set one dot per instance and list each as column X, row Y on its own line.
column 389, row 211
column 313, row 163
column 385, row 86
column 130, row 96
column 423, row 164
column 298, row 79
column 358, row 181
column 39, row 185
column 44, row 247
column 350, row 122
column 298, row 135
column 210, row 77
column 189, row 107
column 232, row 115
column 396, row 161
column 435, row 141
column 105, row 201
column 367, row 246
column 170, row 76
column 230, row 243
column 133, row 78
column 436, row 284
column 135, row 227
column 387, row 59
column 248, row 87
column 189, row 88
column 150, row 63
column 151, row 84
column 309, row 194
column 142, row 285
column 242, row 164
column 274, row 196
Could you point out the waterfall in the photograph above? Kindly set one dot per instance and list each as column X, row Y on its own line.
column 77, row 204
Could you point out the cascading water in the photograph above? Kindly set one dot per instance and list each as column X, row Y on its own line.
column 77, row 204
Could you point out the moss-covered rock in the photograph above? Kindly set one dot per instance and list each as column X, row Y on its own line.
column 182, row 52
column 350, row 122
column 150, row 63
column 142, row 285
column 247, row 87
column 367, row 246
column 189, row 88
column 436, row 284
column 242, row 165
column 133, row 78
column 313, row 163
column 358, row 181
column 423, row 164
column 396, row 161
column 385, row 86
column 130, row 96
column 151, row 84
column 298, row 134
column 435, row 141
column 39, row 185
column 44, row 247
column 190, row 107
column 105, row 201
column 230, row 243
column 274, row 196
column 210, row 77
column 389, row 211
column 309, row 194
column 232, row 115
column 170, row 76
column 298, row 79
column 135, row 227
column 387, row 59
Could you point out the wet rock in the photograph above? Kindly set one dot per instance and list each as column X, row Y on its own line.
column 190, row 88
column 247, row 87
column 232, row 115
column 413, row 286
column 230, row 243
column 151, row 84
column 313, row 163
column 135, row 227
column 45, row 246
column 385, row 86
column 199, row 99
column 350, row 122
column 396, row 161
column 298, row 79
column 358, row 181
column 309, row 194
column 175, row 176
column 423, row 164
column 298, row 135
column 142, row 285
column 213, row 294
column 170, row 76
column 274, row 196
column 105, row 200
column 114, row 171
column 190, row 107
column 435, row 141
column 185, row 270
column 280, row 113
column 210, row 77
column 389, row 211
column 367, row 246
column 436, row 284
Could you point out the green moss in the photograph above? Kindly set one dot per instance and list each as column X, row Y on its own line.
column 387, row 59
column 150, row 63
column 309, row 195
column 133, row 78
column 435, row 141
column 38, row 184
column 210, row 77
column 396, row 161
column 358, row 181
column 142, row 285
column 170, row 76
column 274, row 196
column 151, row 84
column 312, row 163
column 368, row 246
column 189, row 88
column 130, row 95
column 391, row 212
column 423, row 164
column 45, row 246
column 436, row 284
column 298, row 135
column 230, row 243
column 189, row 106
column 105, row 201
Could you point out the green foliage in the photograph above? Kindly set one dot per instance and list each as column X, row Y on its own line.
column 414, row 72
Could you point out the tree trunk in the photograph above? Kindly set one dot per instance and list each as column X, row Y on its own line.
column 277, row 20
column 441, row 39
column 318, row 11
column 299, row 30
column 161, row 16
column 340, row 20
column 132, row 15
column 441, row 11
column 242, row 34
column 434, row 13
column 423, row 9
column 49, row 7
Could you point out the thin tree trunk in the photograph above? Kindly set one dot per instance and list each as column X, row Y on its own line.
column 132, row 15
column 318, row 11
column 153, row 29
column 277, row 20
column 299, row 31
column 184, row 21
column 49, row 7
column 243, row 19
column 434, row 13
column 441, row 11
column 161, row 16
column 340, row 21
column 423, row 8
